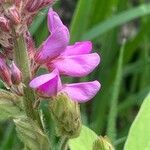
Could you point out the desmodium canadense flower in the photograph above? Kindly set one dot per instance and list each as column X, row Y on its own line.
column 74, row 60
column 65, row 98
column 56, row 42
column 50, row 85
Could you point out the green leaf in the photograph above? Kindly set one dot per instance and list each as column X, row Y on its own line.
column 38, row 20
column 117, row 20
column 84, row 141
column 31, row 135
column 10, row 105
column 139, row 134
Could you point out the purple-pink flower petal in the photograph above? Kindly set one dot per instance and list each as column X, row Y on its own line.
column 53, row 46
column 54, row 21
column 78, row 48
column 82, row 92
column 57, row 42
column 47, row 85
column 75, row 66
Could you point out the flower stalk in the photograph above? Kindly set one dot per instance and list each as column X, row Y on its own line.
column 22, row 60
column 64, row 143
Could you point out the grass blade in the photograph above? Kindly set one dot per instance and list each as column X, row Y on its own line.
column 117, row 20
column 111, row 128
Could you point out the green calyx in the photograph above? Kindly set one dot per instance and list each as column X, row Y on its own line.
column 66, row 114
column 102, row 143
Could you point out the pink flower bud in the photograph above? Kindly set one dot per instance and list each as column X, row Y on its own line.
column 16, row 75
column 5, row 74
column 35, row 5
column 30, row 44
column 1, row 1
column 4, row 24
column 48, row 2
column 8, row 52
column 14, row 15
column 17, row 2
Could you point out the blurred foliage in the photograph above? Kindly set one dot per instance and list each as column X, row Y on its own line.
column 106, row 23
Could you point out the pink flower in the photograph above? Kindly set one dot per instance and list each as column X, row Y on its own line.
column 75, row 60
column 50, row 85
column 56, row 42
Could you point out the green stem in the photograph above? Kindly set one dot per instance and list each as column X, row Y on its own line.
column 23, row 62
column 64, row 143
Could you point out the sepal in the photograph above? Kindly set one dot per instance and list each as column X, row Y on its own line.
column 31, row 135
column 66, row 114
column 10, row 105
column 102, row 143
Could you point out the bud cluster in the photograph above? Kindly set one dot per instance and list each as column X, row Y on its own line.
column 9, row 20
column 55, row 54
column 10, row 75
column 15, row 16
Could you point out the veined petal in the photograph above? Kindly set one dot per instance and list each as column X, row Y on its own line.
column 78, row 48
column 77, row 65
column 47, row 85
column 54, row 21
column 53, row 46
column 82, row 92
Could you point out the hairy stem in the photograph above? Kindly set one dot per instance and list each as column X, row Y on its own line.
column 23, row 62
column 64, row 143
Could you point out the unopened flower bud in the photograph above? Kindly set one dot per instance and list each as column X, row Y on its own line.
column 4, row 24
column 66, row 114
column 35, row 5
column 8, row 52
column 48, row 2
column 5, row 74
column 102, row 143
column 10, row 2
column 16, row 75
column 17, row 2
column 13, row 15
column 30, row 44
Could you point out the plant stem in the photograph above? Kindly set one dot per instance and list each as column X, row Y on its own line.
column 64, row 143
column 23, row 62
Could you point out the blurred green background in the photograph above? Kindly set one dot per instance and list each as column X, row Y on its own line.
column 124, row 71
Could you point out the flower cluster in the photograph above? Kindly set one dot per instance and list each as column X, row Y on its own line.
column 20, row 61
column 15, row 16
column 55, row 53
column 62, row 59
